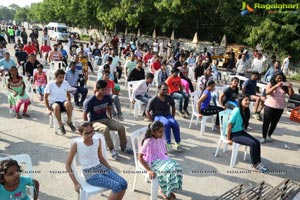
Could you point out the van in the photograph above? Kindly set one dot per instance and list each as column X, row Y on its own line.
column 58, row 31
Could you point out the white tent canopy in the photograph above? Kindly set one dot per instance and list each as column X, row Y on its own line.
column 195, row 39
column 223, row 41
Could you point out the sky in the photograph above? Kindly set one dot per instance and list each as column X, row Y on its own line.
column 21, row 3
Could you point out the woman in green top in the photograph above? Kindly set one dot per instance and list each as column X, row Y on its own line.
column 237, row 125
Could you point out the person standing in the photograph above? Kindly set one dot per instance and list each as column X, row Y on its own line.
column 285, row 65
column 24, row 36
column 274, row 104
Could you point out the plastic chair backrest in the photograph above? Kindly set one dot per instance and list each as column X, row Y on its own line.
column 195, row 96
column 224, row 117
column 131, row 86
column 136, row 141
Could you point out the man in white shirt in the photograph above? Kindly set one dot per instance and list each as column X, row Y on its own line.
column 258, row 64
column 155, row 46
column 58, row 99
column 285, row 65
column 140, row 91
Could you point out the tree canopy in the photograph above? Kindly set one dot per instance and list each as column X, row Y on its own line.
column 278, row 30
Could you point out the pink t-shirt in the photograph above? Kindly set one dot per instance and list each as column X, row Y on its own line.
column 154, row 149
column 276, row 99
column 40, row 79
column 186, row 86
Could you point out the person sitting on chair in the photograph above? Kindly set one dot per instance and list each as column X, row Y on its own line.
column 237, row 124
column 58, row 99
column 228, row 98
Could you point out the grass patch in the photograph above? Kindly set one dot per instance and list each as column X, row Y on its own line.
column 295, row 77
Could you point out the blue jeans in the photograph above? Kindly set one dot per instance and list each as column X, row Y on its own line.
column 144, row 99
column 181, row 96
column 80, row 90
column 106, row 178
column 169, row 123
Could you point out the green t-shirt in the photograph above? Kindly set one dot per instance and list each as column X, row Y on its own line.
column 11, row 32
column 20, row 192
column 236, row 120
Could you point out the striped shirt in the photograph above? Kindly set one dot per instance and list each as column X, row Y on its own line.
column 72, row 78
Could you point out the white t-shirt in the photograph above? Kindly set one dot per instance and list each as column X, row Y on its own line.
column 155, row 46
column 257, row 64
column 285, row 63
column 57, row 93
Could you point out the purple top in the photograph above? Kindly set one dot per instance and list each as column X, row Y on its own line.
column 154, row 149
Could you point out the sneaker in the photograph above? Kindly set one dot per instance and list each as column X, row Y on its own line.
column 121, row 118
column 78, row 106
column 262, row 140
column 25, row 115
column 127, row 150
column 187, row 113
column 181, row 113
column 169, row 148
column 178, row 147
column 256, row 116
column 18, row 116
column 72, row 127
column 269, row 139
column 261, row 168
column 114, row 154
column 62, row 130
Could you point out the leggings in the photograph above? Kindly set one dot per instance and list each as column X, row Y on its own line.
column 26, row 104
column 212, row 110
column 108, row 179
column 271, row 119
column 241, row 137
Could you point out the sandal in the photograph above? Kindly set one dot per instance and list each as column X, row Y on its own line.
column 165, row 197
column 173, row 196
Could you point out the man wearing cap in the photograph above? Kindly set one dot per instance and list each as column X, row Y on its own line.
column 21, row 57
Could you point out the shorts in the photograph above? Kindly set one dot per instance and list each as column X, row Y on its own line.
column 61, row 105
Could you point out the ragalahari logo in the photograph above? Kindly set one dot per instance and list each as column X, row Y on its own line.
column 246, row 9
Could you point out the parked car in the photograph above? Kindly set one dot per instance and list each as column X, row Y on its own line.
column 35, row 27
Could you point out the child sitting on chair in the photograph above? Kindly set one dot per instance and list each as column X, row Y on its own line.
column 12, row 184
column 17, row 95
column 96, row 170
column 40, row 81
column 154, row 158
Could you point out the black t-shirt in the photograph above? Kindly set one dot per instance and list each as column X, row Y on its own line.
column 97, row 108
column 230, row 94
column 96, row 52
column 159, row 107
column 29, row 67
column 199, row 71
column 177, row 64
column 21, row 55
column 2, row 40
column 136, row 75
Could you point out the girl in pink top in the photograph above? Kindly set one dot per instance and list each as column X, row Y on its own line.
column 154, row 158
column 274, row 104
column 40, row 81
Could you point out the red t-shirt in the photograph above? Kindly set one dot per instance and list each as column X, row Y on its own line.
column 45, row 48
column 109, row 87
column 30, row 50
column 155, row 66
column 146, row 57
column 174, row 84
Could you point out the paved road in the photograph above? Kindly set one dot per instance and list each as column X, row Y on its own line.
column 205, row 176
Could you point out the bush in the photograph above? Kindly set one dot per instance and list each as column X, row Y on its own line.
column 295, row 77
column 84, row 37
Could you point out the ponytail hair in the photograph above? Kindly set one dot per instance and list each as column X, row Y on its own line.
column 152, row 128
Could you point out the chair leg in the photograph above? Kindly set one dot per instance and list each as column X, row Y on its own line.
column 197, row 119
column 134, row 182
column 235, row 149
column 225, row 147
column 191, row 121
column 218, row 147
column 203, row 123
column 50, row 121
column 245, row 153
column 154, row 189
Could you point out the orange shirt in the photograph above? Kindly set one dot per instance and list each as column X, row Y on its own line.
column 109, row 87
column 174, row 84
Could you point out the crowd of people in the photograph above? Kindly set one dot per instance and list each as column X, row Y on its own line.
column 176, row 75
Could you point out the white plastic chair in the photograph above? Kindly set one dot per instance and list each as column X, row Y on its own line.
column 136, row 141
column 88, row 190
column 194, row 99
column 137, row 106
column 224, row 117
column 54, row 66
column 24, row 159
column 54, row 123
